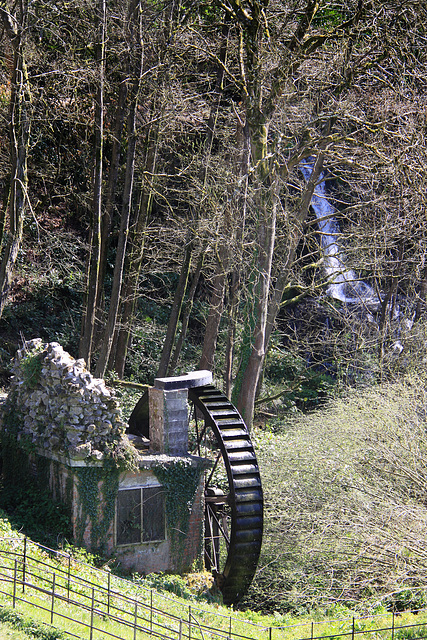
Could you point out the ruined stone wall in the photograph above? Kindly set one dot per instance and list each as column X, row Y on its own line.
column 60, row 407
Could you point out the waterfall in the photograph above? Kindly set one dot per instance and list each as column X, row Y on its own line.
column 343, row 283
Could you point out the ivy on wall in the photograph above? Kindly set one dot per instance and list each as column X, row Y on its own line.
column 28, row 472
column 180, row 480
column 97, row 487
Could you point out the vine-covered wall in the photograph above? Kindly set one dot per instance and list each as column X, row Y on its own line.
column 183, row 484
column 62, row 429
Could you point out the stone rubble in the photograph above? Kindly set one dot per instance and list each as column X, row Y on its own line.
column 65, row 410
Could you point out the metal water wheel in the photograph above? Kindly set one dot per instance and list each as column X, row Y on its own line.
column 233, row 492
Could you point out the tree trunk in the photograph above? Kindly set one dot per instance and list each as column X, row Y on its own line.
column 254, row 341
column 266, row 196
column 89, row 316
column 175, row 311
column 107, row 214
column 110, row 328
column 134, row 263
column 186, row 315
column 20, row 125
column 216, row 306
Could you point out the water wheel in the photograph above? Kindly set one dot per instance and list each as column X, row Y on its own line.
column 233, row 492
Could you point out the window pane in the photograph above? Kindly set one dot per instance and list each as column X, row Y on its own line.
column 129, row 516
column 153, row 510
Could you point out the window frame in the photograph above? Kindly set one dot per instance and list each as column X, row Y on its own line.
column 141, row 541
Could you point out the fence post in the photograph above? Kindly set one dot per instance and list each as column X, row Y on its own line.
column 53, row 598
column 229, row 629
column 312, row 630
column 180, row 629
column 91, row 614
column 392, row 627
column 352, row 630
column 109, row 593
column 270, row 633
column 151, row 611
column 135, row 620
column 14, row 583
column 69, row 577
column 24, row 562
column 189, row 622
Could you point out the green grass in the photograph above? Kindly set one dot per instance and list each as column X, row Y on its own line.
column 9, row 633
column 29, row 619
column 17, row 626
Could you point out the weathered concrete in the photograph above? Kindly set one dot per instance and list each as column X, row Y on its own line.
column 189, row 381
column 169, row 411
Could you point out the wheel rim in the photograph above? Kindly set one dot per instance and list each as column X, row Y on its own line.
column 233, row 491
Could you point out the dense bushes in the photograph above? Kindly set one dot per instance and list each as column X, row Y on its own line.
column 346, row 515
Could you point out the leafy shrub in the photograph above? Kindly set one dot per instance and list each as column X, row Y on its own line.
column 32, row 509
column 308, row 386
column 192, row 586
column 345, row 511
column 406, row 599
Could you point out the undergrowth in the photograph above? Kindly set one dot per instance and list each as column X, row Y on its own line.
column 29, row 626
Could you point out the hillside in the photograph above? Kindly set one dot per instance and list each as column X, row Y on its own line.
column 216, row 185
column 93, row 601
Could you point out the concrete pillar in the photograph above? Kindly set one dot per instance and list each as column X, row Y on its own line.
column 169, row 412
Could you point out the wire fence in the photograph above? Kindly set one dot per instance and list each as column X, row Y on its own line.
column 55, row 584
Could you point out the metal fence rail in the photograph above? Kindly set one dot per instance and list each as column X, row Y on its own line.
column 63, row 563
column 54, row 584
column 26, row 579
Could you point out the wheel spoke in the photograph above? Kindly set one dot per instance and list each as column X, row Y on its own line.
column 221, row 524
column 208, row 481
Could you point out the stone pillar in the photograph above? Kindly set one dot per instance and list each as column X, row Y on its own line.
column 168, row 422
column 169, row 412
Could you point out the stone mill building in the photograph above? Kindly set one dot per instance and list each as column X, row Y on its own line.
column 137, row 499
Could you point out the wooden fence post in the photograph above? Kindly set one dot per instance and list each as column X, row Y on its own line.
column 189, row 622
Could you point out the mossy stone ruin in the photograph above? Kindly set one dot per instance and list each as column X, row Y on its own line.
column 61, row 407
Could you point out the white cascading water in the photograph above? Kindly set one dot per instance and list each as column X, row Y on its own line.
column 343, row 282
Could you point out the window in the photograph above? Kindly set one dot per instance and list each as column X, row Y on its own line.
column 140, row 515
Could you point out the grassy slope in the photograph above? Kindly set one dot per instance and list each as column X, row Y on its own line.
column 8, row 633
column 29, row 619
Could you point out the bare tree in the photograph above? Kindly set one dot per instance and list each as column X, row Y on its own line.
column 135, row 14
column 15, row 25
column 94, row 258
